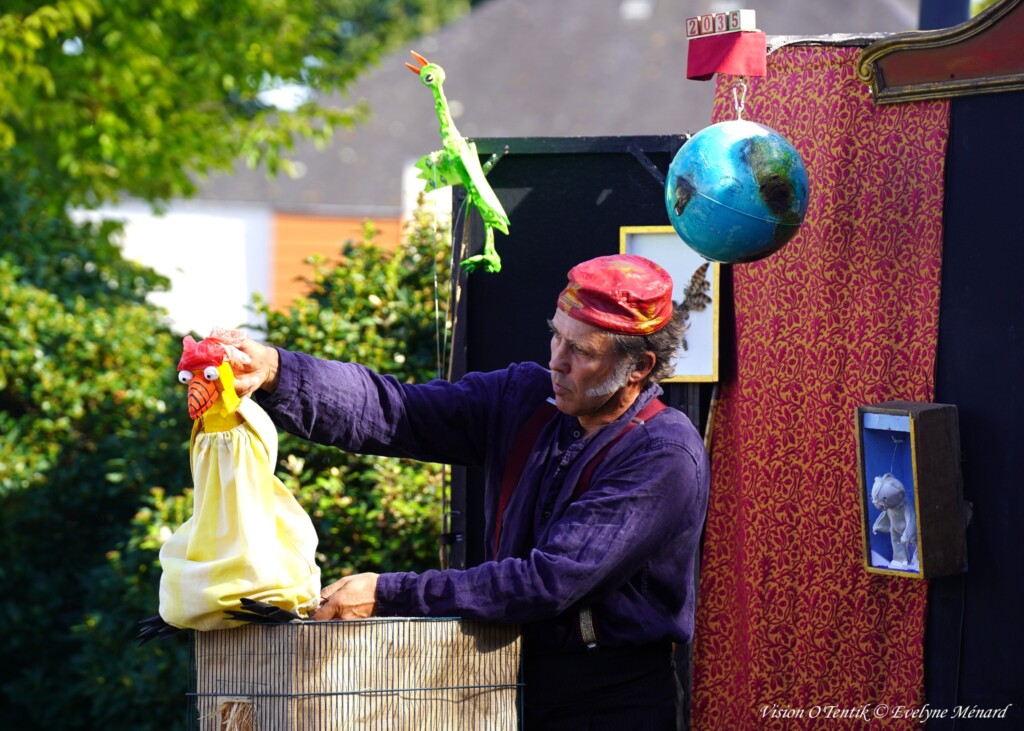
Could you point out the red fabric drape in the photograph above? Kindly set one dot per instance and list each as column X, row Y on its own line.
column 789, row 623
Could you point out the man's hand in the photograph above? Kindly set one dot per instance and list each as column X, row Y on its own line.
column 259, row 372
column 353, row 597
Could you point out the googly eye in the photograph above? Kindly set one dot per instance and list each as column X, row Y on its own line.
column 184, row 376
column 211, row 373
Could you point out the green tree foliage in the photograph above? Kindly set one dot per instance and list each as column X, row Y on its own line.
column 87, row 426
column 377, row 308
column 102, row 98
column 94, row 469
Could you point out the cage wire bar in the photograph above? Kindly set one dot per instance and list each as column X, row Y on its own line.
column 385, row 673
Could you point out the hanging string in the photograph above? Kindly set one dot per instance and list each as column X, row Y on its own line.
column 739, row 100
column 896, row 445
column 440, row 339
column 441, row 330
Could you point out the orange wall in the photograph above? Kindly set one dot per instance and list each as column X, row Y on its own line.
column 297, row 237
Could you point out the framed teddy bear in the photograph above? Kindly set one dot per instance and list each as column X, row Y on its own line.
column 913, row 514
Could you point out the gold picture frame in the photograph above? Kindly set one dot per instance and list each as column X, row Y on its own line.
column 695, row 280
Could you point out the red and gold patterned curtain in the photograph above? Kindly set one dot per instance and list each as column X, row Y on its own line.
column 792, row 632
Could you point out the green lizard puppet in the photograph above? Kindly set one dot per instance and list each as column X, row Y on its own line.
column 458, row 163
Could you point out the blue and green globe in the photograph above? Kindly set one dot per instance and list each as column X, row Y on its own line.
column 736, row 192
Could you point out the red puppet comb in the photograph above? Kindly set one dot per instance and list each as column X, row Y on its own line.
column 194, row 355
column 219, row 346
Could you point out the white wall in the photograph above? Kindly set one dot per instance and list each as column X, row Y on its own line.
column 216, row 256
column 439, row 201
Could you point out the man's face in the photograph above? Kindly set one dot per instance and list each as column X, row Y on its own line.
column 585, row 373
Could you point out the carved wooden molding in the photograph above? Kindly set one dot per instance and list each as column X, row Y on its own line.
column 982, row 55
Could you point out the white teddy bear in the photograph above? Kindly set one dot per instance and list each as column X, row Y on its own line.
column 897, row 519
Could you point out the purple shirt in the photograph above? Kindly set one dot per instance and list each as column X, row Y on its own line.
column 625, row 548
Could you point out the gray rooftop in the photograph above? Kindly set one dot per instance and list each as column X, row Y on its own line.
column 534, row 68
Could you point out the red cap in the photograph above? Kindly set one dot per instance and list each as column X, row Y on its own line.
column 624, row 294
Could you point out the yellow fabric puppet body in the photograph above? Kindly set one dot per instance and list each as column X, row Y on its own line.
column 248, row 536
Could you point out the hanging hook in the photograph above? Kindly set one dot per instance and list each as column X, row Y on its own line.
column 739, row 101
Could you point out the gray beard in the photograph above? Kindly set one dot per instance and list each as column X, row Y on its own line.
column 614, row 382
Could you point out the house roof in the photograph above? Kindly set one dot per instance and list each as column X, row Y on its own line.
column 532, row 68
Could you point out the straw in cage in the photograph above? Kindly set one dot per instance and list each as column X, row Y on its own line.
column 364, row 674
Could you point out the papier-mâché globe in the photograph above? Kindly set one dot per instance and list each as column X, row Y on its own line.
column 736, row 192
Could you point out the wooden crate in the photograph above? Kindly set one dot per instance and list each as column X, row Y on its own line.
column 365, row 674
column 918, row 444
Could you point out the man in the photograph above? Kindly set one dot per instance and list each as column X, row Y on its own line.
column 594, row 508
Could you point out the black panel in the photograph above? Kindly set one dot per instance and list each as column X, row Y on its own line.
column 975, row 632
column 566, row 199
column 565, row 207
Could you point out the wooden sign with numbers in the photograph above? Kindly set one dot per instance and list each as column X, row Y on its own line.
column 718, row 23
column 725, row 43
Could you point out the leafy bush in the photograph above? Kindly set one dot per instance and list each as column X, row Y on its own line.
column 85, row 429
column 94, row 457
column 377, row 308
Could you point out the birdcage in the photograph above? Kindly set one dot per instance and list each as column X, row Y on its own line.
column 363, row 674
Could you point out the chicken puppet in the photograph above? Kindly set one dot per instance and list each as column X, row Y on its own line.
column 248, row 542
